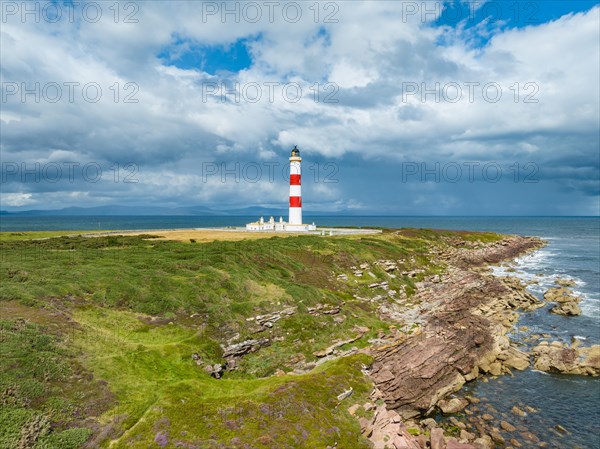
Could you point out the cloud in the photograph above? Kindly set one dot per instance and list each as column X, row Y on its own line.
column 16, row 199
column 366, row 91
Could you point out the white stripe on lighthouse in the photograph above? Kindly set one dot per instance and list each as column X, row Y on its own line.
column 295, row 191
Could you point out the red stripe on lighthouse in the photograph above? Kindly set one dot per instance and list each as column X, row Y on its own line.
column 295, row 201
column 294, row 180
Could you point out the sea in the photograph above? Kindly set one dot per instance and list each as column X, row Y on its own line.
column 572, row 252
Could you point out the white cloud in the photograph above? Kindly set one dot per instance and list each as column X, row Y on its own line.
column 370, row 54
column 17, row 199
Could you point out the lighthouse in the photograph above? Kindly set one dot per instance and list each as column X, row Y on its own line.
column 295, row 217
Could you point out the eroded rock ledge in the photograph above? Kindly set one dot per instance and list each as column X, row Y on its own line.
column 462, row 336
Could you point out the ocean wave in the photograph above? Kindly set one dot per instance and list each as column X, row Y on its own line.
column 590, row 308
column 535, row 261
column 539, row 254
column 540, row 270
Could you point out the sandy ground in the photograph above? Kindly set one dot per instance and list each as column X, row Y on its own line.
column 209, row 235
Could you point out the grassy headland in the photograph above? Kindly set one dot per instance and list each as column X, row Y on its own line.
column 105, row 341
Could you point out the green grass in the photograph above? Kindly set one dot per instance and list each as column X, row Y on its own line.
column 160, row 389
column 452, row 236
column 113, row 322
column 12, row 236
column 41, row 384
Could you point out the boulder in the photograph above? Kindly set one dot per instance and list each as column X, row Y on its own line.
column 565, row 282
column 215, row 370
column 400, row 442
column 567, row 309
column 457, row 423
column 484, row 442
column 437, row 438
column 345, row 394
column 513, row 358
column 473, row 399
column 330, row 350
column 560, row 428
column 556, row 358
column 497, row 437
column 591, row 359
column 495, row 369
column 466, row 436
column 517, row 411
column 430, row 423
column 456, row 445
column 560, row 294
column 245, row 347
column 507, row 426
column 453, row 405
column 366, row 427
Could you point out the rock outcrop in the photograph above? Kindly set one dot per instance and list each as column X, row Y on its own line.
column 463, row 332
column 567, row 309
column 514, row 359
column 565, row 282
column 456, row 331
column 330, row 350
column 568, row 303
column 269, row 319
column 557, row 357
column 386, row 429
column 245, row 347
column 453, row 405
column 559, row 294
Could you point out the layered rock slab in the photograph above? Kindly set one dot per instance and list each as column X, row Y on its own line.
column 463, row 334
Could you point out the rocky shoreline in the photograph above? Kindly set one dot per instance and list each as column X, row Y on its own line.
column 463, row 320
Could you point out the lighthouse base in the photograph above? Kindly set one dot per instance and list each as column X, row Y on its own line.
column 279, row 226
column 299, row 227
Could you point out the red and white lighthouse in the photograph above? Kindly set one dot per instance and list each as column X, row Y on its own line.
column 295, row 220
column 295, row 188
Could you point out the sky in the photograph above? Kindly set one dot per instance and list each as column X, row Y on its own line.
column 397, row 107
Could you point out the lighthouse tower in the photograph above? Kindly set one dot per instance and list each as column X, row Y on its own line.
column 295, row 221
column 295, row 188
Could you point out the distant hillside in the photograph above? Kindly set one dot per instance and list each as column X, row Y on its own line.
column 202, row 211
